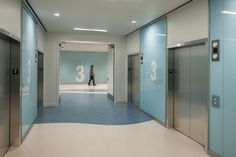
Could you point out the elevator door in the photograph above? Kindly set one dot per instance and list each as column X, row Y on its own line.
column 4, row 95
column 134, row 79
column 190, row 91
column 40, row 80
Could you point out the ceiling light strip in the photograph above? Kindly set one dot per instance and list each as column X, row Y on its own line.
column 90, row 30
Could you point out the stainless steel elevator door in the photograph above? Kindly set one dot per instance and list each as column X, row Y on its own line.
column 199, row 93
column 4, row 96
column 191, row 91
column 182, row 90
column 134, row 79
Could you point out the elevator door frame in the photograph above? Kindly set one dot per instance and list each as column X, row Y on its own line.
column 14, row 94
column 130, row 100
column 170, row 102
column 112, row 96
column 5, row 50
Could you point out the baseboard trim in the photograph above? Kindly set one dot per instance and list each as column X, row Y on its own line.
column 111, row 97
column 121, row 101
column 154, row 118
column 213, row 154
column 50, row 105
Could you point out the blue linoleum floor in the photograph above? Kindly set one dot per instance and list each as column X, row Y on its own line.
column 91, row 109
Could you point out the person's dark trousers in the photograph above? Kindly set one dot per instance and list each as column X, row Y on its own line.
column 91, row 79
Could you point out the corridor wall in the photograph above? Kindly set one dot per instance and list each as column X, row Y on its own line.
column 188, row 23
column 110, row 74
column 153, row 70
column 10, row 16
column 132, row 43
column 222, row 128
column 75, row 66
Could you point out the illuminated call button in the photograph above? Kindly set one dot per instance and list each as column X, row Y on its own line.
column 215, row 44
column 215, row 56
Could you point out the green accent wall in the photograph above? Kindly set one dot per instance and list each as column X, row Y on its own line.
column 74, row 67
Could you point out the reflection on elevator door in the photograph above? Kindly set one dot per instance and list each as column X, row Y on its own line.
column 190, row 91
column 4, row 95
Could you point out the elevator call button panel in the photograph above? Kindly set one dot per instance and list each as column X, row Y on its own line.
column 215, row 101
column 216, row 50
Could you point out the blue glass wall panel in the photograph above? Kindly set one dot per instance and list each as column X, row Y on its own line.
column 229, row 79
column 216, row 81
column 222, row 131
column 28, row 72
column 153, row 70
column 70, row 73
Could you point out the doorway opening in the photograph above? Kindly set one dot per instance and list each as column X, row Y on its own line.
column 188, row 90
column 81, row 61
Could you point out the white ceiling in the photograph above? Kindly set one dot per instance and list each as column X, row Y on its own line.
column 113, row 15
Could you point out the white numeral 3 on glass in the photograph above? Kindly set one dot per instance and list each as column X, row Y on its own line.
column 154, row 70
column 29, row 71
column 80, row 73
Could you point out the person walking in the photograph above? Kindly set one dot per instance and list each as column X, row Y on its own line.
column 91, row 76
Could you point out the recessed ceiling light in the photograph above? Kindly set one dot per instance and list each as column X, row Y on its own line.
column 228, row 12
column 91, row 30
column 133, row 21
column 56, row 14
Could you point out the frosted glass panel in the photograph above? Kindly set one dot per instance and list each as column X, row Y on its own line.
column 216, row 81
column 229, row 79
column 28, row 72
column 153, row 70
column 222, row 133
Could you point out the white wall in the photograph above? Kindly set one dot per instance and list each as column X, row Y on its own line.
column 132, row 46
column 52, row 60
column 188, row 23
column 133, row 43
column 110, row 71
column 84, row 47
column 10, row 16
column 41, row 38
